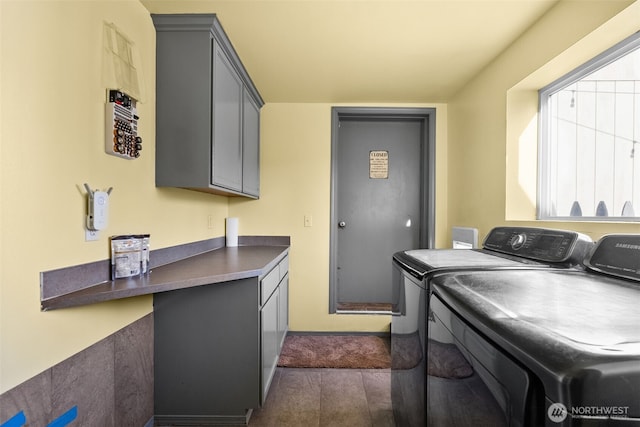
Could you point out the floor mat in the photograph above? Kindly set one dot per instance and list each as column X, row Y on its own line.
column 335, row 351
column 364, row 307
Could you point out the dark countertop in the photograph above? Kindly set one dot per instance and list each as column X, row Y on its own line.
column 219, row 265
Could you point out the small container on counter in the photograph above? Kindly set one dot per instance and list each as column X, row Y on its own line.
column 129, row 255
column 144, row 261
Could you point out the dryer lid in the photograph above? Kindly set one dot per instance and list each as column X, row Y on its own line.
column 549, row 309
column 439, row 258
column 616, row 255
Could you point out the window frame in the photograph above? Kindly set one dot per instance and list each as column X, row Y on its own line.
column 544, row 192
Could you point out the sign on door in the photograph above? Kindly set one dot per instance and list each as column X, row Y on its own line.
column 378, row 164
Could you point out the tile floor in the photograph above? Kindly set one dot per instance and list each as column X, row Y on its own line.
column 327, row 397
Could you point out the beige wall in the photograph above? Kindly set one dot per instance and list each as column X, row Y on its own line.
column 492, row 121
column 52, row 141
column 295, row 180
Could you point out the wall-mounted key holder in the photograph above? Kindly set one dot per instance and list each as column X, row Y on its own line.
column 122, row 139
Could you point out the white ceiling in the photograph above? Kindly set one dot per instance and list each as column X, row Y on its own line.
column 379, row 51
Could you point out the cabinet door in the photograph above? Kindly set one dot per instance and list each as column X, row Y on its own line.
column 183, row 109
column 250, row 147
column 206, row 347
column 270, row 344
column 283, row 311
column 226, row 122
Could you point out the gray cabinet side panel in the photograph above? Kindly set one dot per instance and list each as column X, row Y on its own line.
column 207, row 349
column 183, row 108
column 251, row 147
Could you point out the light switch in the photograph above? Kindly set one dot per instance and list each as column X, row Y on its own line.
column 308, row 220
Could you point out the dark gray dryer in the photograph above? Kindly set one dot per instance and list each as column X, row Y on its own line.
column 413, row 270
column 554, row 348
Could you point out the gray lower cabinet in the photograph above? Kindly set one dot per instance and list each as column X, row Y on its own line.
column 274, row 314
column 283, row 310
column 216, row 348
column 270, row 345
column 207, row 109
column 283, row 301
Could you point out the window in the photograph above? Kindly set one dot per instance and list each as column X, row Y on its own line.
column 589, row 139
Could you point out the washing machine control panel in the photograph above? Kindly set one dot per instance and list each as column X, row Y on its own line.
column 541, row 244
column 518, row 241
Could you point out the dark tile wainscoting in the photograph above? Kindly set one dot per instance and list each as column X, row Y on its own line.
column 108, row 384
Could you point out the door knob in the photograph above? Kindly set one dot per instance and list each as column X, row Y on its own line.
column 342, row 224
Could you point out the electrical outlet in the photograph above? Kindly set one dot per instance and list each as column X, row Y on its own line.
column 210, row 222
column 91, row 235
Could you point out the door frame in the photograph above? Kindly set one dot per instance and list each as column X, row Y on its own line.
column 427, row 177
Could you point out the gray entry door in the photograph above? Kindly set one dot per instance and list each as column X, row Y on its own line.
column 378, row 202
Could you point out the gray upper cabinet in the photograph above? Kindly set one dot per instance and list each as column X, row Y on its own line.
column 207, row 109
column 227, row 123
column 251, row 147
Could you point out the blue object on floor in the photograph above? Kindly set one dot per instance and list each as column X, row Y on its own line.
column 65, row 418
column 18, row 420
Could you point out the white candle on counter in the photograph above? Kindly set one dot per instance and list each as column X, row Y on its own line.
column 232, row 232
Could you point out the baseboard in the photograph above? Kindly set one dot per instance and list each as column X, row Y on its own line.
column 202, row 420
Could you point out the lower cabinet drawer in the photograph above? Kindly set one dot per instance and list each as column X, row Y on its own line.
column 284, row 267
column 269, row 284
